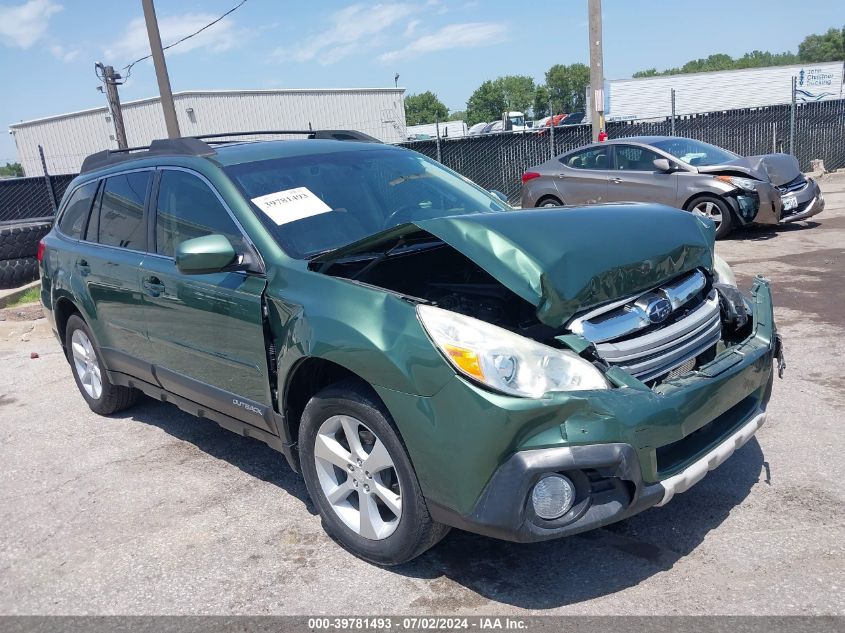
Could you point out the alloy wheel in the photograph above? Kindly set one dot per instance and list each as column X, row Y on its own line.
column 86, row 365
column 358, row 477
column 709, row 209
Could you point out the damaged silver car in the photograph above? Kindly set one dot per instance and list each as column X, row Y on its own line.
column 680, row 172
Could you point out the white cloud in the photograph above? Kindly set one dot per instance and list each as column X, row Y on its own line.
column 467, row 35
column 349, row 29
column 23, row 25
column 411, row 28
column 135, row 43
column 63, row 55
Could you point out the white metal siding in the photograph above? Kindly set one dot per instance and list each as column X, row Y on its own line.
column 450, row 129
column 68, row 139
column 650, row 97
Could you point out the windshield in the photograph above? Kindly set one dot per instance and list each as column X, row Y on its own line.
column 316, row 203
column 517, row 121
column 695, row 152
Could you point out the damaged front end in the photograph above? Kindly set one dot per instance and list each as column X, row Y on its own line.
column 606, row 345
column 652, row 308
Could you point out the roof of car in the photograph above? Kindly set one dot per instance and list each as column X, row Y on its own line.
column 227, row 149
column 645, row 140
column 237, row 153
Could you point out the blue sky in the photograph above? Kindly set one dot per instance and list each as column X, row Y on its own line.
column 48, row 47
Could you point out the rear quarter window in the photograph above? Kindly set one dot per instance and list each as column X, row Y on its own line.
column 75, row 216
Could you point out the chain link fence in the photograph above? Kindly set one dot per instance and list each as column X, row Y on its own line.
column 497, row 161
column 27, row 198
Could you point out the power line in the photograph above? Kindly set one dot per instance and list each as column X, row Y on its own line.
column 128, row 67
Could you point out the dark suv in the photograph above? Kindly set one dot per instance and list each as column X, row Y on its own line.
column 425, row 355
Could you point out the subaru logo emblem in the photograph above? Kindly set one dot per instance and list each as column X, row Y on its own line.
column 658, row 310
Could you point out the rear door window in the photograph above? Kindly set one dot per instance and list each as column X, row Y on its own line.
column 122, row 211
column 75, row 215
column 188, row 208
column 593, row 158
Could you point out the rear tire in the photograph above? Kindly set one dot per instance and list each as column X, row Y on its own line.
column 716, row 209
column 549, row 201
column 93, row 382
column 387, row 524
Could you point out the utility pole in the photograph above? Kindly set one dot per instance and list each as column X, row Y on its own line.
column 161, row 70
column 596, row 68
column 110, row 79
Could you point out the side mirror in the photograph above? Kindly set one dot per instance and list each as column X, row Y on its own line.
column 499, row 195
column 206, row 254
column 663, row 164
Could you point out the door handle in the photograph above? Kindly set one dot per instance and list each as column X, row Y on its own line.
column 615, row 180
column 83, row 266
column 153, row 286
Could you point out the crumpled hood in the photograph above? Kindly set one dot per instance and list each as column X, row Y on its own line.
column 778, row 169
column 564, row 261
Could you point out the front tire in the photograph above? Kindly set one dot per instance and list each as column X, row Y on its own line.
column 359, row 476
column 717, row 210
column 93, row 382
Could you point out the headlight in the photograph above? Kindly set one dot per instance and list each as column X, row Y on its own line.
column 736, row 181
column 505, row 361
column 723, row 272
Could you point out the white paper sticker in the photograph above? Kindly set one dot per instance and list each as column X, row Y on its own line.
column 291, row 205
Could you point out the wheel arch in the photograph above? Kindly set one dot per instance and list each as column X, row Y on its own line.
column 547, row 197
column 307, row 377
column 63, row 309
column 706, row 194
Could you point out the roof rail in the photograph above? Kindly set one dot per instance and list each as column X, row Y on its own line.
column 188, row 146
column 202, row 145
column 337, row 135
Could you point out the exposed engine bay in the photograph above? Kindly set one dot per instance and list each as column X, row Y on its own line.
column 659, row 334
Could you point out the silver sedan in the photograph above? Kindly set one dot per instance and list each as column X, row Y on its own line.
column 680, row 172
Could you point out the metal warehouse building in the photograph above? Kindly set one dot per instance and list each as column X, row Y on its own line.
column 68, row 138
column 650, row 97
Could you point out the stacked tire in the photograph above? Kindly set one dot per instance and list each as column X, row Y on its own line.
column 18, row 249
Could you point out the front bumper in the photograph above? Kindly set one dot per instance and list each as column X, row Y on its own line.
column 810, row 203
column 620, row 493
column 478, row 454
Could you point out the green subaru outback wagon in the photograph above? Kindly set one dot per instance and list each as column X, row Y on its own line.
column 425, row 355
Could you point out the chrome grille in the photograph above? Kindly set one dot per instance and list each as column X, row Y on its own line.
column 797, row 184
column 657, row 350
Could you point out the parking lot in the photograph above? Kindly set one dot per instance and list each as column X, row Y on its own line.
column 155, row 512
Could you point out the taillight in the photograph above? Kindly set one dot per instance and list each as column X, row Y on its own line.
column 529, row 175
column 40, row 254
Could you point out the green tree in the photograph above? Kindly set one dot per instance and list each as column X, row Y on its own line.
column 567, row 86
column 540, row 108
column 519, row 91
column 487, row 103
column 424, row 108
column 458, row 115
column 827, row 47
column 651, row 72
column 11, row 169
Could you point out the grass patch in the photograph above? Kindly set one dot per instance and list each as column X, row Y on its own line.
column 33, row 294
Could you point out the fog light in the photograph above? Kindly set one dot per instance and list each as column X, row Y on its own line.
column 552, row 496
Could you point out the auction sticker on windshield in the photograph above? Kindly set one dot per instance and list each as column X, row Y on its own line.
column 291, row 205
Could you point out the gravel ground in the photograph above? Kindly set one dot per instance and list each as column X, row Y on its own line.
column 155, row 512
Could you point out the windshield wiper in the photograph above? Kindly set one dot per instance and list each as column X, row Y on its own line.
column 380, row 258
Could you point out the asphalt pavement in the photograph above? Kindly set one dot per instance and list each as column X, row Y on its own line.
column 154, row 512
